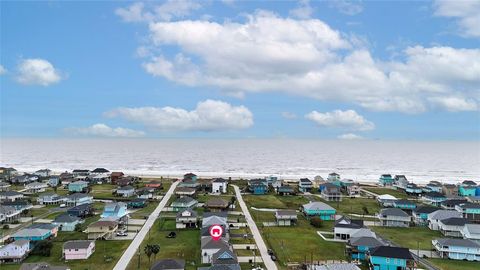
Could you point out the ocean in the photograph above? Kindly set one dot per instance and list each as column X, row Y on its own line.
column 361, row 160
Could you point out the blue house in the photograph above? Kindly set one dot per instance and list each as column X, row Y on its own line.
column 285, row 190
column 258, row 186
column 434, row 186
column 386, row 180
column 457, row 249
column 114, row 210
column 467, row 188
column 420, row 214
column 319, row 209
column 190, row 177
column 81, row 210
column 66, row 222
column 78, row 186
column 404, row 204
column 53, row 181
column 413, row 189
column 470, row 211
column 434, row 198
column 358, row 247
column 390, row 258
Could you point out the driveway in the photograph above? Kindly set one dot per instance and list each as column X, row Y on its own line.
column 269, row 264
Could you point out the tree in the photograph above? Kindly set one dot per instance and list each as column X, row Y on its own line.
column 365, row 210
column 148, row 251
column 316, row 222
column 43, row 248
column 155, row 250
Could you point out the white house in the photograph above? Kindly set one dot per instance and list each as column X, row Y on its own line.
column 78, row 249
column 452, row 226
column 471, row 232
column 9, row 214
column 43, row 173
column 35, row 187
column 51, row 198
column 10, row 195
column 434, row 218
column 345, row 227
column 14, row 252
column 386, row 200
column 219, row 185
column 126, row 191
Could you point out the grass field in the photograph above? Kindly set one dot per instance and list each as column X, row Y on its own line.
column 408, row 237
column 146, row 211
column 446, row 264
column 273, row 201
column 185, row 246
column 380, row 191
column 355, row 206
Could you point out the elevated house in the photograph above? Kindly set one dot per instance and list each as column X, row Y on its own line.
column 190, row 177
column 168, row 264
column 209, row 247
column 330, row 192
column 124, row 181
column 413, row 189
column 345, row 227
column 6, row 174
column 394, row 217
column 212, row 218
column 15, row 252
column 386, row 258
column 183, row 203
column 82, row 210
column 66, row 178
column 420, row 214
column 258, row 186
column 434, row 218
column 10, row 195
column 137, row 203
column 78, row 186
column 386, row 200
column 44, row 173
column 4, row 186
column 35, row 187
column 353, row 190
column 434, row 198
column 115, row 211
column 471, row 232
column 66, row 222
column 53, row 181
column 187, row 218
column 81, row 174
column 450, row 190
column 457, row 249
column 115, row 176
column 51, row 198
column 285, row 190
column 452, row 227
column 78, row 249
column 470, row 211
column 43, row 266
column 190, row 183
column 154, row 184
column 319, row 209
column 451, row 203
column 78, row 199
column 20, row 205
column 100, row 176
column 400, row 181
column 9, row 214
column 36, row 232
column 217, row 204
column 185, row 191
column 357, row 248
column 404, row 205
column 145, row 193
column 305, row 185
column 385, row 180
column 205, row 185
column 126, row 191
column 434, row 186
column 333, row 177
column 23, row 179
column 467, row 188
column 225, row 259
column 102, row 229
column 317, row 181
column 219, row 185
column 286, row 217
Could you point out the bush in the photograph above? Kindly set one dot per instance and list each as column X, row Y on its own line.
column 6, row 227
column 43, row 248
column 316, row 222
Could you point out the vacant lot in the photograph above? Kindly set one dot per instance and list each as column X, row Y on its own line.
column 408, row 237
column 355, row 206
column 274, row 201
column 380, row 191
column 446, row 264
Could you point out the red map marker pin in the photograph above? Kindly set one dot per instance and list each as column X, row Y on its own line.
column 216, row 232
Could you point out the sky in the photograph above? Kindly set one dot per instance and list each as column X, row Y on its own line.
column 349, row 70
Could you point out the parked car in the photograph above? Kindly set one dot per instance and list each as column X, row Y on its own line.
column 63, row 205
column 270, row 252
column 274, row 258
column 172, row 235
column 122, row 234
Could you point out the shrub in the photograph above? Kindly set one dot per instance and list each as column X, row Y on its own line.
column 316, row 222
column 43, row 248
column 6, row 227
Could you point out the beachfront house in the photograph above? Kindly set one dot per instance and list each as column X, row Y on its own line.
column 404, row 205
column 434, row 198
column 385, row 180
column 434, row 218
column 286, row 217
column 190, row 177
column 168, row 264
column 53, row 181
column 457, row 249
column 358, row 247
column 451, row 203
column 43, row 173
column 78, row 186
column 333, row 177
column 185, row 191
column 394, row 217
column 434, row 186
column 10, row 195
column 285, row 190
column 450, row 190
column 452, row 226
column 258, row 186
column 413, row 189
column 115, row 176
column 78, row 249
column 82, row 210
column 317, row 181
column 14, row 252
column 420, row 214
column 79, row 199
column 400, row 181
column 100, row 176
column 471, row 232
column 319, row 209
column 80, row 174
column 387, row 258
column 217, row 204
column 66, row 222
column 187, row 218
column 330, row 192
column 219, row 185
column 102, row 229
column 183, row 203
column 115, row 211
column 154, row 184
column 345, row 227
column 9, row 214
column 386, row 200
column 353, row 190
column 467, row 188
column 305, row 185
column 126, row 191
column 51, row 198
column 470, row 211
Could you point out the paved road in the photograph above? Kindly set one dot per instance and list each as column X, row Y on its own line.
column 269, row 264
column 137, row 241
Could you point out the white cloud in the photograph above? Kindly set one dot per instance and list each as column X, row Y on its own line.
column 349, row 119
column 289, row 115
column 267, row 53
column 466, row 12
column 303, row 11
column 138, row 12
column 2, row 70
column 102, row 130
column 456, row 104
column 37, row 72
column 209, row 115
column 349, row 136
column 348, row 7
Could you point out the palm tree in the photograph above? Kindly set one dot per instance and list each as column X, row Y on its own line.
column 148, row 250
column 155, row 250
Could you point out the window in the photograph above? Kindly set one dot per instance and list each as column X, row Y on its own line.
column 387, row 260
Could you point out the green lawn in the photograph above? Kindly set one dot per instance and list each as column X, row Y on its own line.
column 446, row 264
column 355, row 206
column 380, row 191
column 146, row 211
column 408, row 237
column 185, row 246
column 274, row 201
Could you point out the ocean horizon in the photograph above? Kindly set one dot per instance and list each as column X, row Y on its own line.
column 360, row 160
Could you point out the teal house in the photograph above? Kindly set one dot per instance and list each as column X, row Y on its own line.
column 137, row 203
column 420, row 214
column 190, row 176
column 470, row 211
column 404, row 204
column 319, row 209
column 386, row 180
column 258, row 186
column 77, row 186
column 434, row 198
column 390, row 258
column 467, row 188
column 413, row 189
column 358, row 247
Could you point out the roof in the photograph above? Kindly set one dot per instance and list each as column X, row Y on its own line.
column 305, row 180
column 286, row 213
column 348, row 223
column 80, row 170
column 317, row 206
column 392, row 252
column 185, row 190
column 9, row 193
column 469, row 183
column 193, row 213
column 77, row 244
column 42, row 266
column 168, row 264
column 473, row 228
column 453, row 202
column 116, row 174
column 363, row 232
column 336, row 266
column 28, row 232
column 469, row 205
column 103, row 223
column 20, row 242
column 403, row 202
column 81, row 207
column 224, row 256
column 183, row 200
column 79, row 182
column 222, row 214
column 216, row 202
column 66, row 218
column 126, row 188
column 76, row 196
column 219, row 180
column 365, row 241
column 454, row 221
column 209, row 243
column 386, row 197
column 425, row 209
column 205, row 231
column 434, row 194
column 333, row 173
column 457, row 242
column 444, row 214
column 285, row 188
column 100, row 170
column 393, row 212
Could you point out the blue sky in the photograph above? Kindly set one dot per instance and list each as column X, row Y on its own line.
column 221, row 69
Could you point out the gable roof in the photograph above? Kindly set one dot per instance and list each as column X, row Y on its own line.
column 472, row 228
column 77, row 244
column 392, row 252
column 365, row 241
column 434, row 194
column 363, row 232
column 386, row 197
column 286, row 213
column 454, row 221
column 317, row 206
column 192, row 212
column 224, row 256
column 209, row 243
column 66, row 218
column 100, row 170
column 183, row 200
column 216, row 202
column 444, row 214
column 457, row 242
column 393, row 212
column 425, row 209
column 404, row 202
column 168, row 264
